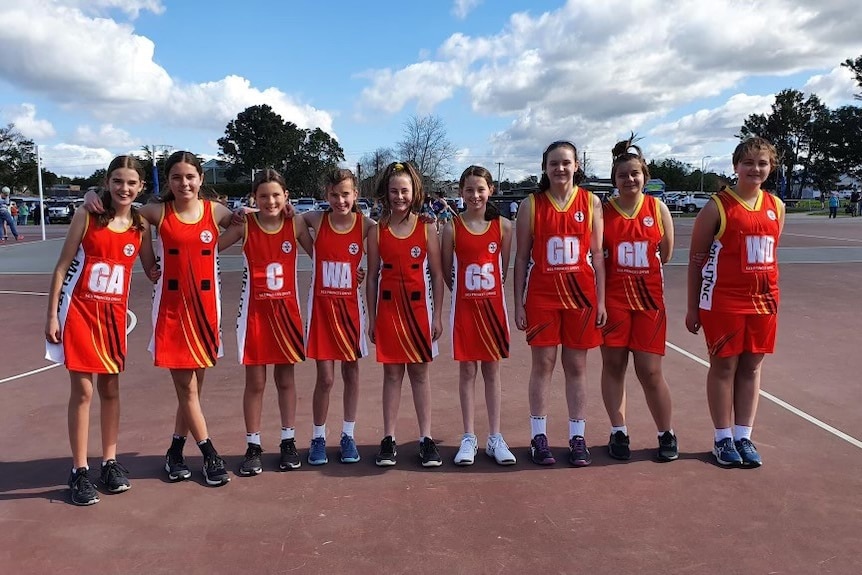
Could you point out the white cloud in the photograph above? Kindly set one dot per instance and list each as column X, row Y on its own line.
column 24, row 118
column 834, row 89
column 73, row 160
column 107, row 136
column 461, row 8
column 112, row 73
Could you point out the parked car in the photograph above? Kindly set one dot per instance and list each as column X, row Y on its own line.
column 61, row 212
column 322, row 206
column 302, row 205
column 695, row 202
column 365, row 206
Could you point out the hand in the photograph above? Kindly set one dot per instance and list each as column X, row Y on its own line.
column 52, row 330
column 692, row 321
column 360, row 276
column 289, row 211
column 238, row 217
column 154, row 273
column 601, row 315
column 436, row 329
column 371, row 332
column 93, row 203
column 520, row 317
column 427, row 219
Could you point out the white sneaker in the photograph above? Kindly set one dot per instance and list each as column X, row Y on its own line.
column 469, row 448
column 499, row 450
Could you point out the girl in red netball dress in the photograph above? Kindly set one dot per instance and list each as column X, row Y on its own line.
column 733, row 293
column 638, row 239
column 269, row 325
column 336, row 310
column 560, row 281
column 186, row 303
column 404, row 316
column 86, row 326
column 475, row 252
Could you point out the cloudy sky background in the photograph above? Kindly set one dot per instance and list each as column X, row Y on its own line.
column 88, row 79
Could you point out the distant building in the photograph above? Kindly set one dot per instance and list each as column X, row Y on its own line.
column 215, row 171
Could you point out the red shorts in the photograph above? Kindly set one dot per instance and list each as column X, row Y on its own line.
column 545, row 327
column 731, row 334
column 636, row 330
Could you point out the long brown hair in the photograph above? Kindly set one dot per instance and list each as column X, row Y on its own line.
column 382, row 192
column 183, row 157
column 545, row 182
column 118, row 163
column 491, row 210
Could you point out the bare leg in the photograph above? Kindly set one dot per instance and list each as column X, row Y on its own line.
column 393, row 375
column 575, row 371
column 656, row 390
column 719, row 390
column 252, row 397
column 746, row 388
column 109, row 406
column 80, row 396
column 286, row 388
column 493, row 394
column 418, row 374
column 544, row 359
column 190, row 417
column 615, row 361
column 350, row 376
column 322, row 388
column 466, row 390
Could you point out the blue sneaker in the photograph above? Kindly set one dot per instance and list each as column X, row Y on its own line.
column 725, row 453
column 748, row 453
column 349, row 453
column 317, row 451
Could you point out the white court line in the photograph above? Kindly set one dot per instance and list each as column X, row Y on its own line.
column 780, row 402
column 7, row 292
column 820, row 237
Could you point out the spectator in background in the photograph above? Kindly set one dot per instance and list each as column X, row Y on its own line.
column 833, row 205
column 513, row 209
column 7, row 219
column 23, row 214
column 854, row 203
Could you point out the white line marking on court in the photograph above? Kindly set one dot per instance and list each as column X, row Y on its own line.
column 7, row 292
column 32, row 372
column 780, row 402
column 820, row 237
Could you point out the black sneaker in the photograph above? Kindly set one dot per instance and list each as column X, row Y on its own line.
column 428, row 454
column 113, row 477
column 175, row 465
column 251, row 464
column 540, row 453
column 81, row 489
column 388, row 452
column 618, row 446
column 668, row 449
column 289, row 455
column 579, row 455
column 214, row 470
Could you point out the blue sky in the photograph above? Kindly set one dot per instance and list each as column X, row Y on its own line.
column 88, row 79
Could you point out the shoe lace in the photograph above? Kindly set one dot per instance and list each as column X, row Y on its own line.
column 288, row 446
column 214, row 463
column 82, row 480
column 665, row 439
column 746, row 446
column 541, row 442
column 578, row 445
column 253, row 451
column 388, row 445
column 115, row 469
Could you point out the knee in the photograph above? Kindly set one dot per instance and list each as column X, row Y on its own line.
column 324, row 383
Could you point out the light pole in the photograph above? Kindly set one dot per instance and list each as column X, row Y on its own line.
column 702, row 168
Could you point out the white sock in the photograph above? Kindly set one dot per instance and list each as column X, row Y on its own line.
column 318, row 431
column 577, row 427
column 253, row 438
column 741, row 432
column 622, row 428
column 538, row 425
column 347, row 428
column 660, row 433
column 288, row 433
column 74, row 469
column 723, row 433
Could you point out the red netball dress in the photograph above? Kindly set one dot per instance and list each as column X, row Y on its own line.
column 336, row 311
column 94, row 301
column 186, row 299
column 402, row 331
column 479, row 322
column 269, row 325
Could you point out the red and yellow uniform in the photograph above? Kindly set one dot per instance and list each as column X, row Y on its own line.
column 269, row 325
column 186, row 299
column 404, row 303
column 94, row 301
column 479, row 323
column 739, row 293
column 336, row 310
column 634, row 285
column 561, row 283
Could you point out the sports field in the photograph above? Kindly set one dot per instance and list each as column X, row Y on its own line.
column 801, row 513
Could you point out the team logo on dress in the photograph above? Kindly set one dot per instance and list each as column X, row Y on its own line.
column 353, row 248
column 771, row 215
column 649, row 222
column 129, row 250
column 415, row 251
column 492, row 248
column 206, row 236
column 286, row 247
column 579, row 216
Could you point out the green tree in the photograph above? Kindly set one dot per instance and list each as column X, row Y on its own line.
column 17, row 160
column 426, row 144
column 847, row 145
column 372, row 165
column 318, row 153
column 674, row 173
column 855, row 66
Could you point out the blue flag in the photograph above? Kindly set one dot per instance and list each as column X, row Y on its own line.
column 155, row 179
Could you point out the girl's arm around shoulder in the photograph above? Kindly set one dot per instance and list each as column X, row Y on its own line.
column 447, row 253
column 524, row 239
column 506, row 233
column 597, row 253
column 222, row 214
column 312, row 219
column 152, row 213
column 147, row 256
column 302, row 235
column 665, row 247
column 436, row 280
column 373, row 253
column 230, row 236
column 67, row 254
column 367, row 224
